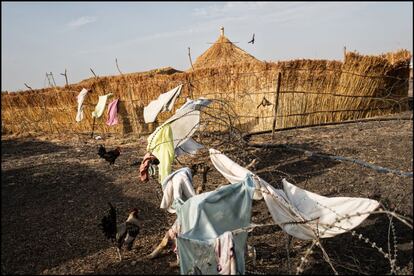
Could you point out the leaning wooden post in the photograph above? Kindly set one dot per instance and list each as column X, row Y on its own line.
column 93, row 126
column 344, row 54
column 66, row 77
column 279, row 77
column 133, row 109
column 189, row 56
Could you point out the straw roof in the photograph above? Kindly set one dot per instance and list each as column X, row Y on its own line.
column 223, row 52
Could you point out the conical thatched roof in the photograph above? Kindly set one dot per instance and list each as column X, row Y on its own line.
column 223, row 52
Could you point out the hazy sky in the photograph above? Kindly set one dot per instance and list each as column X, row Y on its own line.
column 50, row 36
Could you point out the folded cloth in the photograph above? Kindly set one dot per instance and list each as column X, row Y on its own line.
column 145, row 164
column 81, row 98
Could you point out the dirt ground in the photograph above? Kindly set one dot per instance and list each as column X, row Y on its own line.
column 55, row 190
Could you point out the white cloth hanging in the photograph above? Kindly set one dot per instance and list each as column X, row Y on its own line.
column 81, row 98
column 184, row 123
column 178, row 184
column 163, row 103
column 232, row 171
column 100, row 106
column 320, row 216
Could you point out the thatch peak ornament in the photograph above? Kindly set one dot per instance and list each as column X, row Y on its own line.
column 222, row 31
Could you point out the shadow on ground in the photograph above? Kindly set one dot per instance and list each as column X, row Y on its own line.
column 51, row 208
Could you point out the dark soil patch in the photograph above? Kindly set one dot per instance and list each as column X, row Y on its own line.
column 56, row 189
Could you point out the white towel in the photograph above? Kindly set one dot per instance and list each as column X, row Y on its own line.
column 81, row 98
column 163, row 103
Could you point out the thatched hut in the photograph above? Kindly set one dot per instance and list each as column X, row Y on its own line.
column 223, row 52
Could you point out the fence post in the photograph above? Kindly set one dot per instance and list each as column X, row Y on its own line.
column 133, row 109
column 93, row 126
column 279, row 77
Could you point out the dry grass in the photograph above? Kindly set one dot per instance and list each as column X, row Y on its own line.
column 223, row 52
column 311, row 92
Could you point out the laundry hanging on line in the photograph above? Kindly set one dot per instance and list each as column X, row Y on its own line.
column 205, row 217
column 112, row 113
column 184, row 123
column 81, row 98
column 164, row 102
column 100, row 106
column 178, row 184
column 319, row 216
column 225, row 256
column 175, row 133
column 147, row 161
column 160, row 144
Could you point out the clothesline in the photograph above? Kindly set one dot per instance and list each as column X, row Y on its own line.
column 338, row 158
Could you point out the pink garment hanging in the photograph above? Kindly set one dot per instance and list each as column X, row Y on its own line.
column 112, row 113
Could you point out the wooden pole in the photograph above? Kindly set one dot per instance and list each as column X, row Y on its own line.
column 279, row 77
column 133, row 109
column 93, row 126
column 116, row 62
column 31, row 89
column 190, row 92
column 189, row 56
column 66, row 77
column 344, row 54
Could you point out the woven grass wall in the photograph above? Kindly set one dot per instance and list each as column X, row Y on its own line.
column 311, row 92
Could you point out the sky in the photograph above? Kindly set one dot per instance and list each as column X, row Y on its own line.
column 40, row 37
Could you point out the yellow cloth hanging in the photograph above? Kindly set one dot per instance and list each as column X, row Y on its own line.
column 100, row 107
column 160, row 144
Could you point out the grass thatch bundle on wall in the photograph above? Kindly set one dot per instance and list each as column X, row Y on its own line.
column 311, row 92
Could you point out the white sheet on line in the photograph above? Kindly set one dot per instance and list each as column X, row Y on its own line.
column 184, row 123
column 293, row 204
column 81, row 98
column 163, row 103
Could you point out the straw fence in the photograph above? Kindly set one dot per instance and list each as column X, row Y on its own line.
column 310, row 92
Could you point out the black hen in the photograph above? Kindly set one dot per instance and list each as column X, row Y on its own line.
column 108, row 223
column 124, row 233
column 109, row 156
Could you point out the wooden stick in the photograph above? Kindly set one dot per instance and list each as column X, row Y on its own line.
column 116, row 62
column 279, row 77
column 344, row 54
column 93, row 73
column 28, row 87
column 133, row 109
column 130, row 99
column 66, row 77
column 93, row 126
column 96, row 77
column 189, row 56
column 160, row 247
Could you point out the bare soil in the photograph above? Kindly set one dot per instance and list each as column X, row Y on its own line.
column 55, row 190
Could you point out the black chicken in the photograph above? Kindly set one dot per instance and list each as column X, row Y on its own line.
column 109, row 156
column 124, row 233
